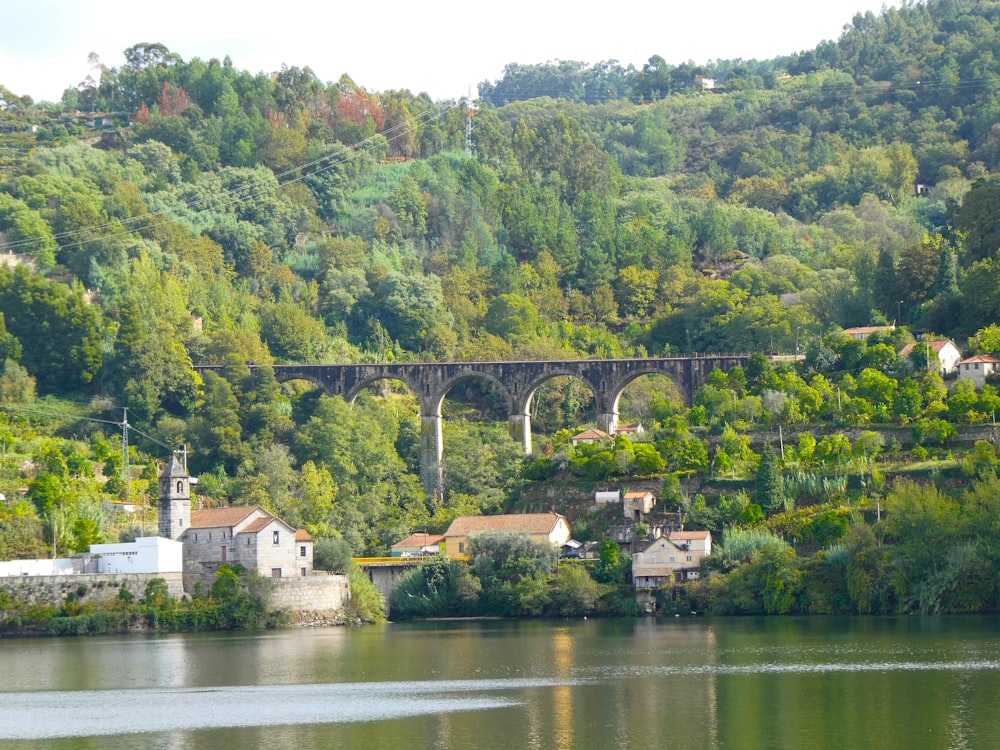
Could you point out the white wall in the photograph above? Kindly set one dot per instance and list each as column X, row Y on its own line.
column 150, row 554
column 57, row 567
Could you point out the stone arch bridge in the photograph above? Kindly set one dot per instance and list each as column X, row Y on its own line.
column 515, row 381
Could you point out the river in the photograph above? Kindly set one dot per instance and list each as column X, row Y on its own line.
column 909, row 683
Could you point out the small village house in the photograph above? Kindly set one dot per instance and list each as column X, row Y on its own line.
column 247, row 536
column 861, row 333
column 946, row 353
column 593, row 435
column 978, row 368
column 420, row 543
column 541, row 527
column 631, row 429
column 673, row 558
column 637, row 504
column 602, row 497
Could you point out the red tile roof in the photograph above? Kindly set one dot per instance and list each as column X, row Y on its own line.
column 687, row 535
column 256, row 525
column 216, row 517
column 514, row 523
column 301, row 535
column 419, row 539
column 936, row 346
column 867, row 330
column 591, row 434
column 988, row 358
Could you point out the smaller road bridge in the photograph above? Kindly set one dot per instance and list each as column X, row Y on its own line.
column 515, row 381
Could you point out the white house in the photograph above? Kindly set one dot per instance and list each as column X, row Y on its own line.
column 948, row 355
column 59, row 566
column 978, row 368
column 593, row 435
column 629, row 429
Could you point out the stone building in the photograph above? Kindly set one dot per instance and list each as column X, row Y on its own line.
column 248, row 536
column 673, row 558
column 175, row 501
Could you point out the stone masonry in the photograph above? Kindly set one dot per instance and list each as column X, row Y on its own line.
column 515, row 381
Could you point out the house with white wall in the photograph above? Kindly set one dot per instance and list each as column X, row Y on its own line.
column 946, row 352
column 978, row 368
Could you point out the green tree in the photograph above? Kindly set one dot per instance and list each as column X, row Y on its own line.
column 440, row 587
column 63, row 331
column 514, row 571
column 612, row 567
column 769, row 493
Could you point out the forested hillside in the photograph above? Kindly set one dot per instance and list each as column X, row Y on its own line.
column 174, row 212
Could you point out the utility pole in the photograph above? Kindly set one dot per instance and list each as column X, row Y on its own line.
column 126, row 471
column 468, row 124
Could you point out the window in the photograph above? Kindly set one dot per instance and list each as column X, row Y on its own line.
column 461, row 548
column 276, row 537
column 689, row 558
column 302, row 551
column 275, row 572
column 180, row 486
column 671, row 559
column 303, row 571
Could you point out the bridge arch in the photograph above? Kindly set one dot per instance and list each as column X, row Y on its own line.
column 432, row 423
column 431, row 381
column 520, row 413
column 371, row 380
column 616, row 389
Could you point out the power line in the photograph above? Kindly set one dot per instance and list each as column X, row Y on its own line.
column 343, row 155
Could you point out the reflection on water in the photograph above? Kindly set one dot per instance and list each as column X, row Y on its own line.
column 912, row 683
column 107, row 712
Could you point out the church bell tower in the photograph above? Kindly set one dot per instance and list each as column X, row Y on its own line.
column 175, row 500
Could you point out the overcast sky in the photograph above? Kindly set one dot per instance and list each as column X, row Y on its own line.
column 441, row 47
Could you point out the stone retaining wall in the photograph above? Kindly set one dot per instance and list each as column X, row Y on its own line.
column 311, row 598
column 53, row 590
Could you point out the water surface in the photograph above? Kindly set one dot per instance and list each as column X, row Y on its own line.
column 913, row 683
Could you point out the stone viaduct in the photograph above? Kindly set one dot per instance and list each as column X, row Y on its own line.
column 516, row 381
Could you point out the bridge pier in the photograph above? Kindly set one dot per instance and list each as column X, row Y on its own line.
column 431, row 382
column 431, row 452
column 520, row 430
column 608, row 421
